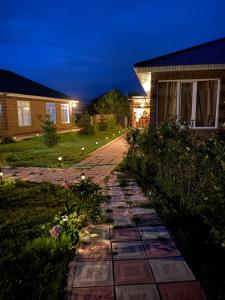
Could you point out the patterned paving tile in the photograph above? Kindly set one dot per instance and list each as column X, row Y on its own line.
column 160, row 248
column 116, row 204
column 94, row 252
column 95, row 233
column 124, row 234
column 125, row 250
column 132, row 272
column 153, row 232
column 137, row 292
column 143, row 211
column 93, row 274
column 123, row 221
column 148, row 220
column 182, row 291
column 171, row 269
column 93, row 293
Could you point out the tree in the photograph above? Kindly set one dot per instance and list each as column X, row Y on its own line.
column 112, row 102
column 50, row 135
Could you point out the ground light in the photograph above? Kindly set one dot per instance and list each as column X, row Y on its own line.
column 82, row 149
column 59, row 160
column 1, row 175
column 96, row 143
column 107, row 137
column 83, row 176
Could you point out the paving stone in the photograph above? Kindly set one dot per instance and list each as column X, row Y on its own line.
column 94, row 252
column 153, row 232
column 124, row 234
column 143, row 211
column 182, row 291
column 94, row 233
column 123, row 221
column 137, row 292
column 117, row 212
column 132, row 272
column 136, row 198
column 160, row 248
column 93, row 274
column 116, row 204
column 117, row 198
column 171, row 269
column 93, row 293
column 125, row 250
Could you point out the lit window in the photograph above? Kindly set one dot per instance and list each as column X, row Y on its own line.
column 24, row 115
column 194, row 102
column 51, row 111
column 65, row 113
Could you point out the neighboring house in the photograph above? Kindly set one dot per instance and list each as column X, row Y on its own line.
column 140, row 110
column 24, row 104
column 188, row 85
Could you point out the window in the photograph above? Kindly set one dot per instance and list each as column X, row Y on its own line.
column 24, row 115
column 51, row 111
column 65, row 113
column 194, row 102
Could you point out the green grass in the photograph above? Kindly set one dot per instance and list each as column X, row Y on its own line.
column 33, row 152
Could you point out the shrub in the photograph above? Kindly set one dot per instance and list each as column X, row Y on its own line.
column 86, row 126
column 7, row 140
column 50, row 136
column 189, row 172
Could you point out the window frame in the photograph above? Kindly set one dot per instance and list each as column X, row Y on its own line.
column 51, row 103
column 68, row 113
column 194, row 99
column 20, row 106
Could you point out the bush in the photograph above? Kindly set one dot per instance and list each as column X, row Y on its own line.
column 86, row 126
column 187, row 170
column 50, row 135
column 7, row 140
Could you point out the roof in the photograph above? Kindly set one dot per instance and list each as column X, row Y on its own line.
column 208, row 53
column 11, row 82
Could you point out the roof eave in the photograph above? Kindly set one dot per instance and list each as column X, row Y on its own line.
column 146, row 69
column 37, row 97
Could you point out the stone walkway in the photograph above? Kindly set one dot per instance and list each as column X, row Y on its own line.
column 96, row 166
column 133, row 258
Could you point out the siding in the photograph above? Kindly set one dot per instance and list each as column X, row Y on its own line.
column 155, row 77
column 38, row 113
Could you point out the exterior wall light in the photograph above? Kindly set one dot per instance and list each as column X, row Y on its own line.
column 83, row 176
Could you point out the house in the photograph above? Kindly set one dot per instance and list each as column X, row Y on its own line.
column 140, row 111
column 24, row 104
column 187, row 85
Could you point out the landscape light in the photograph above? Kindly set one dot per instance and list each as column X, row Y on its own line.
column 37, row 134
column 107, row 137
column 14, row 138
column 83, row 176
column 119, row 131
column 96, row 143
column 113, row 134
column 1, row 175
column 60, row 158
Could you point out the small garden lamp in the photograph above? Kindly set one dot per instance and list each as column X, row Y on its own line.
column 1, row 175
column 107, row 137
column 96, row 143
column 59, row 160
column 119, row 131
column 113, row 134
column 83, row 176
column 82, row 149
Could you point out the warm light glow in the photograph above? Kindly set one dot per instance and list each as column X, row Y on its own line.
column 59, row 158
column 142, row 105
column 74, row 104
column 96, row 143
column 1, row 174
column 83, row 176
column 82, row 148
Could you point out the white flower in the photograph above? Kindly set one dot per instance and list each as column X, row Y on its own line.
column 65, row 219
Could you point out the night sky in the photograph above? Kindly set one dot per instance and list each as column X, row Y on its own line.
column 84, row 48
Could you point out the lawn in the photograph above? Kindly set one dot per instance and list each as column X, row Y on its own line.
column 33, row 152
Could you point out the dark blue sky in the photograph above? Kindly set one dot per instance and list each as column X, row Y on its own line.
column 84, row 48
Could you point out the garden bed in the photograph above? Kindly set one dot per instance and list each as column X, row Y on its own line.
column 184, row 178
column 36, row 241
